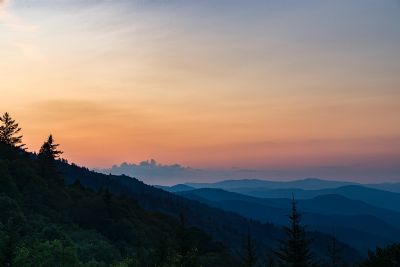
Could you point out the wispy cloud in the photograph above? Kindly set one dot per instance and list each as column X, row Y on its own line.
column 22, row 32
column 14, row 21
column 209, row 84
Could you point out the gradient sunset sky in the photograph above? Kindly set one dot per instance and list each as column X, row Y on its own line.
column 303, row 88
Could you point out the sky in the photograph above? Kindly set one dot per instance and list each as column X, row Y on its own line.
column 282, row 89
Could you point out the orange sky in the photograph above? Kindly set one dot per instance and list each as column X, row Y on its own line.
column 255, row 85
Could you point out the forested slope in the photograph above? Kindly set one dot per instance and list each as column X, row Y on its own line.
column 45, row 223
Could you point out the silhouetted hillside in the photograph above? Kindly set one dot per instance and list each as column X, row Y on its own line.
column 45, row 223
column 175, row 188
column 226, row 227
column 375, row 197
column 391, row 187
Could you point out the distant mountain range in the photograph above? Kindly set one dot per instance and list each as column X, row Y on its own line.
column 373, row 194
column 391, row 187
column 307, row 184
column 175, row 188
column 363, row 216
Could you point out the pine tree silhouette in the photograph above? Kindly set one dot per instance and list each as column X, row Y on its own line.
column 47, row 155
column 249, row 252
column 49, row 151
column 295, row 250
column 270, row 260
column 334, row 253
column 9, row 246
column 187, row 253
column 9, row 131
column 386, row 257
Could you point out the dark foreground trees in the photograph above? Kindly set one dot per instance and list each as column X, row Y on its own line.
column 48, row 152
column 187, row 254
column 249, row 254
column 48, row 155
column 383, row 257
column 9, row 132
column 295, row 249
column 45, row 223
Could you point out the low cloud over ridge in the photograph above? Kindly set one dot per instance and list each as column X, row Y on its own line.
column 152, row 172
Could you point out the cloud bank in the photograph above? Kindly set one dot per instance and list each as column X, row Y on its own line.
column 152, row 172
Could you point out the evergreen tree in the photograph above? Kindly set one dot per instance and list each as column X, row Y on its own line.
column 183, row 246
column 49, row 151
column 161, row 255
column 295, row 250
column 249, row 252
column 385, row 257
column 187, row 254
column 9, row 246
column 106, row 196
column 334, row 253
column 9, row 131
column 46, row 253
column 47, row 157
column 270, row 260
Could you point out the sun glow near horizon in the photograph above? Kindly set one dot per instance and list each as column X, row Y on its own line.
column 209, row 84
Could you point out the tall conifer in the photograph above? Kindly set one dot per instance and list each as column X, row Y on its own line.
column 48, row 155
column 49, row 151
column 295, row 250
column 250, row 254
column 9, row 132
